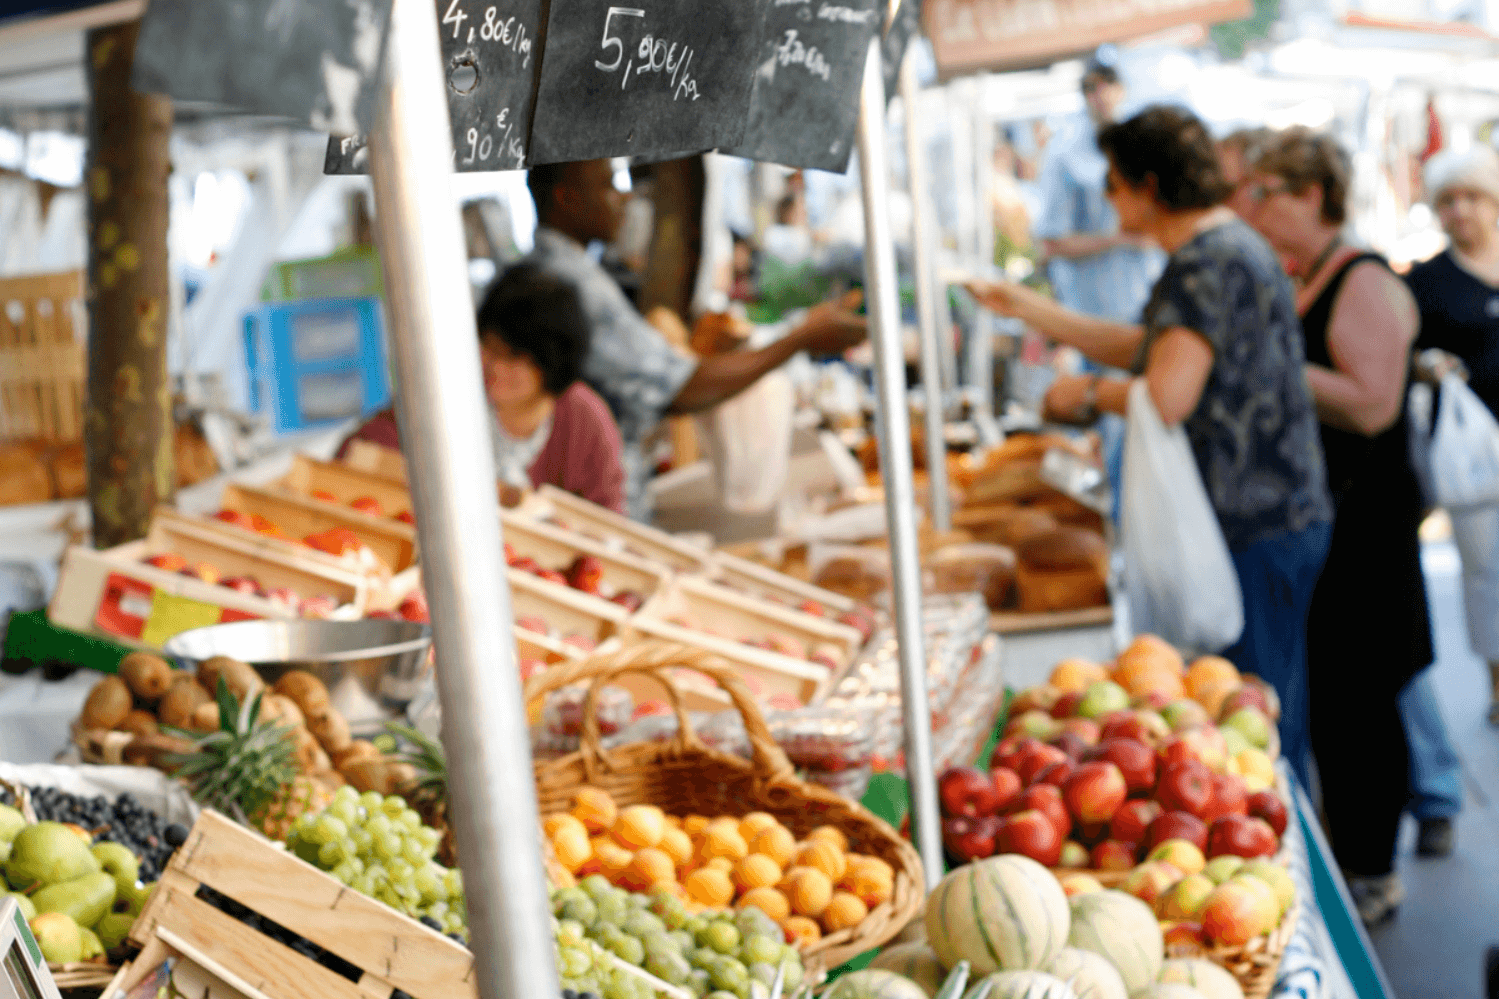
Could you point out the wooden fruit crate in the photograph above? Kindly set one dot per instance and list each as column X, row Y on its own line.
column 43, row 368
column 308, row 475
column 282, row 548
column 576, row 514
column 367, row 456
column 752, row 577
column 566, row 611
column 378, row 949
column 554, row 548
column 391, row 541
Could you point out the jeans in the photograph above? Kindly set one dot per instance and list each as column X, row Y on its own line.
column 1436, row 781
column 1277, row 577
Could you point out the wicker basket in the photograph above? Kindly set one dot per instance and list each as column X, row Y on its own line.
column 684, row 776
column 1254, row 964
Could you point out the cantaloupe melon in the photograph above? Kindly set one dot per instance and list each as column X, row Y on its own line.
column 1204, row 976
column 1001, row 914
column 1024, row 985
column 875, row 983
column 1122, row 929
column 916, row 961
column 1090, row 975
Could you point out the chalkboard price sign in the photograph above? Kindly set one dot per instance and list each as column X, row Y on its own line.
column 904, row 26
column 805, row 105
column 492, row 53
column 644, row 78
column 315, row 61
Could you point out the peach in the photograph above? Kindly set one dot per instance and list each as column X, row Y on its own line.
column 1239, row 910
column 1181, row 854
column 1186, row 898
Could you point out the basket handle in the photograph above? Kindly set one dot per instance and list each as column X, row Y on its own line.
column 655, row 659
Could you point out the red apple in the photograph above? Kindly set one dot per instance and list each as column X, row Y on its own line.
column 551, row 576
column 170, row 561
column 1135, row 760
column 414, row 607
column 1094, row 792
column 1074, row 854
column 1066, row 705
column 1047, row 800
column 405, row 517
column 367, row 504
column 586, row 574
column 1133, row 819
column 1268, row 806
column 1006, row 785
column 1245, row 696
column 1007, row 754
column 1184, row 934
column 1242, row 836
column 1142, row 726
column 1151, row 880
column 1036, row 759
column 967, row 791
column 1033, row 834
column 1114, row 855
column 1230, row 797
column 1070, row 744
column 1151, row 700
column 1186, row 787
column 970, row 837
column 1056, row 774
column 1238, row 911
column 1084, row 728
column 1176, row 825
column 241, row 584
column 525, row 564
column 1090, row 834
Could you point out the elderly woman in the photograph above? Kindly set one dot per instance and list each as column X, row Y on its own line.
column 1220, row 350
column 1368, row 633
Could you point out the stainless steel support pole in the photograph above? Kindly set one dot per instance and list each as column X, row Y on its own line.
column 445, row 430
column 981, row 347
column 893, row 416
column 924, row 266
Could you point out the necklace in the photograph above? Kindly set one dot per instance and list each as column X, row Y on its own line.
column 1321, row 261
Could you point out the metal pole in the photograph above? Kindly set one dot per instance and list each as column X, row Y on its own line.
column 981, row 348
column 895, row 463
column 452, row 476
column 926, row 297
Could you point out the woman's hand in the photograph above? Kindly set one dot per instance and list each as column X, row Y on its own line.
column 1067, row 401
column 1007, row 298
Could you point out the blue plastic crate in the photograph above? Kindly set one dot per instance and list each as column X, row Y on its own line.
column 317, row 361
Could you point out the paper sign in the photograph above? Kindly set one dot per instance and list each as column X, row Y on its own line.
column 132, row 608
column 644, row 78
column 314, row 61
column 491, row 53
column 805, row 106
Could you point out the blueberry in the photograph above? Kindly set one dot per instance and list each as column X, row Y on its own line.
column 569, row 994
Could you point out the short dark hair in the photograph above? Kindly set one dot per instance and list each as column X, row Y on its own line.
column 1173, row 146
column 538, row 315
column 1302, row 157
column 543, row 181
column 1095, row 70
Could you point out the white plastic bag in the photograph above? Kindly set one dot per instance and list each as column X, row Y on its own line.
column 748, row 442
column 1178, row 573
column 1457, row 463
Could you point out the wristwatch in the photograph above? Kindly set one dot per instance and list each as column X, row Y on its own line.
column 1089, row 411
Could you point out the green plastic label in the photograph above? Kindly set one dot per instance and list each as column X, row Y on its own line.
column 24, row 932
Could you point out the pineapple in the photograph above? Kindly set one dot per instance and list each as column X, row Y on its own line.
column 248, row 769
column 428, row 794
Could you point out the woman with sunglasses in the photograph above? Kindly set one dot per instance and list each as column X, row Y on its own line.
column 1220, row 350
column 1368, row 632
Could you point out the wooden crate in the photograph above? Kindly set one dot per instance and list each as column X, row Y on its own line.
column 565, row 610
column 283, row 548
column 555, row 548
column 762, row 581
column 308, row 475
column 392, row 542
column 385, row 949
column 367, row 456
column 574, row 513
column 43, row 362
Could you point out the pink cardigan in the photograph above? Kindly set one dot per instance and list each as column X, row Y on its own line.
column 582, row 455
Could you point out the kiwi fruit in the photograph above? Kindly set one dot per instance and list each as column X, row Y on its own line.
column 399, row 777
column 307, row 748
column 307, row 690
column 367, row 774
column 359, row 749
column 240, row 678
column 147, row 676
column 205, row 718
column 138, row 723
column 282, row 710
column 332, row 730
column 318, row 762
column 209, row 670
column 181, row 699
column 107, row 704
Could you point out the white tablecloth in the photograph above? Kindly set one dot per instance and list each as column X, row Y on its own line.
column 35, row 715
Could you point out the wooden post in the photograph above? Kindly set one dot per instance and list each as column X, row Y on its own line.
column 677, row 241
column 128, row 427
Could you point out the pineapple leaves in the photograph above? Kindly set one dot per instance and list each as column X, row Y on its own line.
column 241, row 768
column 228, row 708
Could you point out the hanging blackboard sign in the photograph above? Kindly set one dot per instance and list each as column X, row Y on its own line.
column 649, row 77
column 314, row 61
column 904, row 26
column 806, row 97
column 491, row 53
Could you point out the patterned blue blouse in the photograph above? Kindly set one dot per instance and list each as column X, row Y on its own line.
column 1254, row 431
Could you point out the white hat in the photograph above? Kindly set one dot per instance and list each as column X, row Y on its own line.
column 1476, row 168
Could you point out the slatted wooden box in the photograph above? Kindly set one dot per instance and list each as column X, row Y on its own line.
column 309, row 476
column 616, row 532
column 554, row 548
column 43, row 363
column 392, row 542
column 375, row 949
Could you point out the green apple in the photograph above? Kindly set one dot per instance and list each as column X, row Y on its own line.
column 1101, row 698
column 1252, row 724
column 1276, row 877
column 1234, row 742
column 1221, row 868
column 1184, row 714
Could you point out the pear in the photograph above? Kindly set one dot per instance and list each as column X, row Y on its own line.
column 47, row 853
column 11, row 822
column 118, row 862
column 114, row 928
column 58, row 937
column 28, row 909
column 85, row 899
column 92, row 947
column 4, row 852
column 135, row 898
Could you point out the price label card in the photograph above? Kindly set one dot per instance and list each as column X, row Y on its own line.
column 491, row 52
column 644, row 78
column 315, row 61
column 805, row 106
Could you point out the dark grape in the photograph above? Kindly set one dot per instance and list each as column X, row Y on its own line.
column 175, row 834
column 431, row 923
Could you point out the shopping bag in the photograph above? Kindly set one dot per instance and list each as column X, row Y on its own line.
column 1456, row 460
column 1178, row 574
column 748, row 441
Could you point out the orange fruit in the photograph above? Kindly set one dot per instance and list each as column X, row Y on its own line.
column 1148, row 649
column 651, row 865
column 694, row 824
column 871, row 880
column 678, row 846
column 801, row 930
column 809, row 891
column 571, row 845
column 552, row 823
column 777, row 843
column 708, row 886
column 639, row 826
column 756, row 871
column 595, row 809
column 754, row 824
column 723, row 841
column 845, row 910
column 1073, row 676
column 768, row 900
column 823, row 855
column 720, row 864
column 832, row 834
